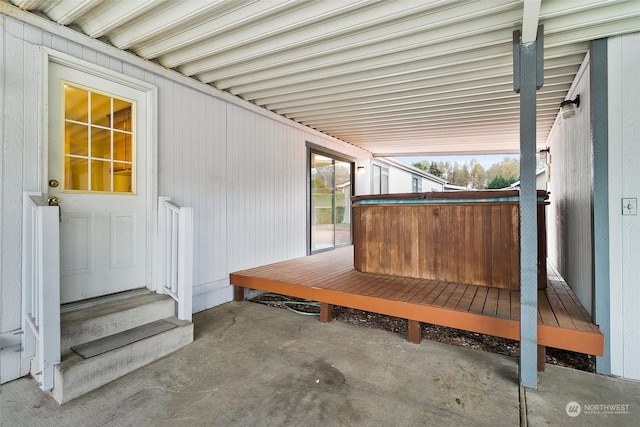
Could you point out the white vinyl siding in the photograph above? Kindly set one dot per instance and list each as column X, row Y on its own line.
column 569, row 211
column 624, row 181
column 241, row 168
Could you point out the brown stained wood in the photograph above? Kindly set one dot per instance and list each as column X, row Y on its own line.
column 325, row 312
column 434, row 293
column 562, row 316
column 477, row 305
column 445, row 295
column 456, row 296
column 467, row 298
column 515, row 305
column 491, row 303
column 405, row 284
column 542, row 353
column 547, row 316
column 542, row 247
column 420, row 292
column 414, row 332
column 330, row 279
column 579, row 314
column 471, row 243
column 238, row 293
column 504, row 304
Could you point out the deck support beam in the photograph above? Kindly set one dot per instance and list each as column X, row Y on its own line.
column 528, row 73
column 414, row 331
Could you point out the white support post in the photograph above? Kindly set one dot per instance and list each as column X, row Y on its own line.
column 185, row 264
column 41, row 285
column 174, row 276
column 49, row 289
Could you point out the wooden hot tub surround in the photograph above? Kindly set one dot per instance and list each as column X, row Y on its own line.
column 331, row 279
column 470, row 237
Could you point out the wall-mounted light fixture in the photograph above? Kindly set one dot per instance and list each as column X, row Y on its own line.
column 360, row 169
column 568, row 107
column 545, row 154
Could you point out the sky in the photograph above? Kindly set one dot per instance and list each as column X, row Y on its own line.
column 486, row 160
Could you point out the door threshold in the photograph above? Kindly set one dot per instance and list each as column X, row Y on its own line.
column 82, row 304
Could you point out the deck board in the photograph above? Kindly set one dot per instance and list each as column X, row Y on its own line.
column 330, row 278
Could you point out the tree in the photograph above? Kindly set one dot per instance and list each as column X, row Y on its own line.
column 434, row 169
column 477, row 174
column 508, row 167
column 501, row 182
column 422, row 164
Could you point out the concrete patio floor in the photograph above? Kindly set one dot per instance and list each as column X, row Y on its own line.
column 252, row 365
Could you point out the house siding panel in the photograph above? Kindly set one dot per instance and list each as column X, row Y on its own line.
column 624, row 179
column 570, row 220
column 241, row 168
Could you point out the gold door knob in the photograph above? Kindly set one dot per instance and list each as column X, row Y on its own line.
column 53, row 183
column 53, row 201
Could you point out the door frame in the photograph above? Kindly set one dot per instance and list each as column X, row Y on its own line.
column 335, row 155
column 151, row 120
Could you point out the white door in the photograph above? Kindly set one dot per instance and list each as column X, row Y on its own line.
column 97, row 169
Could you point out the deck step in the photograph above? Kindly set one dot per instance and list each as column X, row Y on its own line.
column 87, row 321
column 75, row 375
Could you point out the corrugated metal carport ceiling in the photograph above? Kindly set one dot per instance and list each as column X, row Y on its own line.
column 392, row 77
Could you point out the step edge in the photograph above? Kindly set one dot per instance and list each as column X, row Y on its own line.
column 72, row 334
column 67, row 367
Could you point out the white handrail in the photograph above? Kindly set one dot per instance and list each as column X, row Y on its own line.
column 175, row 254
column 41, row 285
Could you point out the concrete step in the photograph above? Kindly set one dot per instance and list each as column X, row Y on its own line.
column 75, row 375
column 87, row 321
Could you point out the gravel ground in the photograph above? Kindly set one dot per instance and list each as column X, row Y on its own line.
column 441, row 334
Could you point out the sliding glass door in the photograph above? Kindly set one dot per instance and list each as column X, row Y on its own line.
column 331, row 185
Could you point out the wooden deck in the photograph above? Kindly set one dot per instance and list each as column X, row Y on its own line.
column 331, row 279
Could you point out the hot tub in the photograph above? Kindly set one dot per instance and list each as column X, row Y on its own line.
column 469, row 237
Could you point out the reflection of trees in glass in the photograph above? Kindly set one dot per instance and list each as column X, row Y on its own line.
column 343, row 173
column 330, row 201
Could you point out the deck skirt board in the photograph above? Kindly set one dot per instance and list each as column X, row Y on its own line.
column 330, row 278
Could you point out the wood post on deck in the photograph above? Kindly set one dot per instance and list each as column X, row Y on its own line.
column 542, row 353
column 325, row 312
column 414, row 331
column 238, row 293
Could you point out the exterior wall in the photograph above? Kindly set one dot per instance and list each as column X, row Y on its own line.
column 242, row 168
column 570, row 234
column 624, row 182
column 400, row 179
column 569, row 213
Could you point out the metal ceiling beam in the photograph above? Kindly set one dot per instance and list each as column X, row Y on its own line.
column 480, row 101
column 530, row 18
column 355, row 33
column 421, row 46
column 215, row 25
column 110, row 15
column 264, row 35
column 405, row 74
column 430, row 90
column 169, row 18
column 66, row 12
